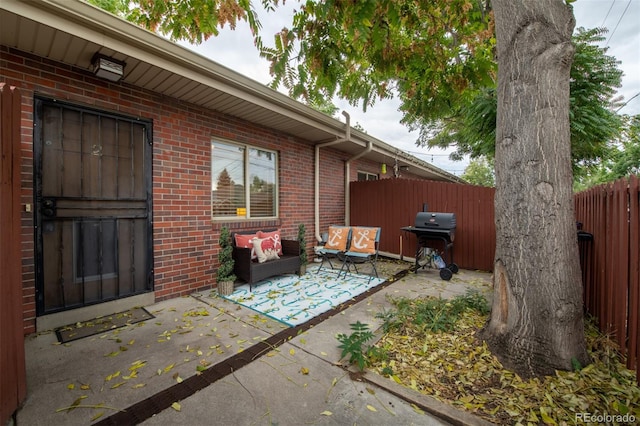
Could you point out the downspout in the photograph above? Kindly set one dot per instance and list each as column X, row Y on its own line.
column 316, row 191
column 347, row 171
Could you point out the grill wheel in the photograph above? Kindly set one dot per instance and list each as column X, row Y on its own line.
column 424, row 260
column 446, row 274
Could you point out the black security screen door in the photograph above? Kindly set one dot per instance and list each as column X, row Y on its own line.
column 92, row 206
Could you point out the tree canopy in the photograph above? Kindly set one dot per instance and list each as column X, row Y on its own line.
column 595, row 77
column 434, row 55
column 622, row 157
column 480, row 172
column 191, row 20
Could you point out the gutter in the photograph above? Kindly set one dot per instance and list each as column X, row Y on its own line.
column 316, row 190
column 347, row 173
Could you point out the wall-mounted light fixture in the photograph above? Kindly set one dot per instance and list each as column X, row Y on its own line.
column 107, row 68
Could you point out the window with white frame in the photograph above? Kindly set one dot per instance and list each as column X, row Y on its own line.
column 367, row 176
column 244, row 181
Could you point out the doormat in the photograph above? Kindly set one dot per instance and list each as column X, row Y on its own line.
column 99, row 325
column 294, row 300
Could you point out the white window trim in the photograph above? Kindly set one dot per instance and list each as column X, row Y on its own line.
column 247, row 184
column 377, row 176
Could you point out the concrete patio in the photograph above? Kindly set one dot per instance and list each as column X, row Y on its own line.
column 299, row 381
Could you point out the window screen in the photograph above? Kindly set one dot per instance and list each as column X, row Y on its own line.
column 244, row 182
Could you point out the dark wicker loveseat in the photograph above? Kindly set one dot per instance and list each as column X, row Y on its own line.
column 251, row 271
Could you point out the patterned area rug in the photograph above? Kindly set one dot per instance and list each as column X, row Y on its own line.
column 294, row 300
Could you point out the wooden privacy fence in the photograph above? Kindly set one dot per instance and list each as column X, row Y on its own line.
column 394, row 203
column 13, row 386
column 610, row 265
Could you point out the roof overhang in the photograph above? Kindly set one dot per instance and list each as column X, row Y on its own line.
column 72, row 32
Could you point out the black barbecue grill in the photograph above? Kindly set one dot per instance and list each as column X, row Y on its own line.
column 430, row 228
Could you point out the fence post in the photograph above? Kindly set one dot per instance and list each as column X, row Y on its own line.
column 12, row 362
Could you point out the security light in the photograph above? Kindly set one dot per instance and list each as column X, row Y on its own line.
column 107, row 68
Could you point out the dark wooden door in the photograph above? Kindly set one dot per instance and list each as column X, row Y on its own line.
column 93, row 206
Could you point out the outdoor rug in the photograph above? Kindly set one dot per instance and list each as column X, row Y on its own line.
column 99, row 325
column 294, row 300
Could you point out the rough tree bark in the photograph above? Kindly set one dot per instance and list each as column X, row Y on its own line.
column 536, row 324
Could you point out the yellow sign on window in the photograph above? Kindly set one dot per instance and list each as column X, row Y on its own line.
column 241, row 211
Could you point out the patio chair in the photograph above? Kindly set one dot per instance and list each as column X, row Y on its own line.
column 334, row 243
column 363, row 248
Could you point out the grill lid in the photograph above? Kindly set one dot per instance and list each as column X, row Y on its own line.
column 432, row 220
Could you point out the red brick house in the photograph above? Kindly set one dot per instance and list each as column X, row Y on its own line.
column 136, row 151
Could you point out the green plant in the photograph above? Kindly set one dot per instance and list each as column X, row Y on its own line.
column 430, row 313
column 303, row 244
column 225, row 257
column 353, row 344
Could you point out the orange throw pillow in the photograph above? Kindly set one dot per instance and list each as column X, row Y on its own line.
column 363, row 240
column 245, row 241
column 338, row 236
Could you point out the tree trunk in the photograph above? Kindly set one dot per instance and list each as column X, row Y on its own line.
column 536, row 323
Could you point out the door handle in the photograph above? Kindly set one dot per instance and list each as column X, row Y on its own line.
column 48, row 208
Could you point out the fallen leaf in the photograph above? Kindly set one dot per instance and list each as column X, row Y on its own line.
column 546, row 418
column 133, row 375
column 371, row 408
column 97, row 416
column 304, row 370
column 326, row 413
column 176, row 406
column 71, row 386
column 292, row 351
column 111, row 376
column 417, row 409
column 137, row 364
column 76, row 403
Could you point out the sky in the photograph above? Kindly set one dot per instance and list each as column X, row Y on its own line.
column 235, row 50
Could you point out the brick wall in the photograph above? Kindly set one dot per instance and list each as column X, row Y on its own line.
column 184, row 237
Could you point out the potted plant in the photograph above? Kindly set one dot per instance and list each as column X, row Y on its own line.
column 225, row 277
column 303, row 249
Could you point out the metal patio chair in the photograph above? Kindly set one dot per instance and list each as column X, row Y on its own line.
column 363, row 248
column 334, row 244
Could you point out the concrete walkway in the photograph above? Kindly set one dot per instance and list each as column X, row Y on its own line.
column 301, row 381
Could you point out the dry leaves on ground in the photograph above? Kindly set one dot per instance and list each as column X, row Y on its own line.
column 455, row 368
